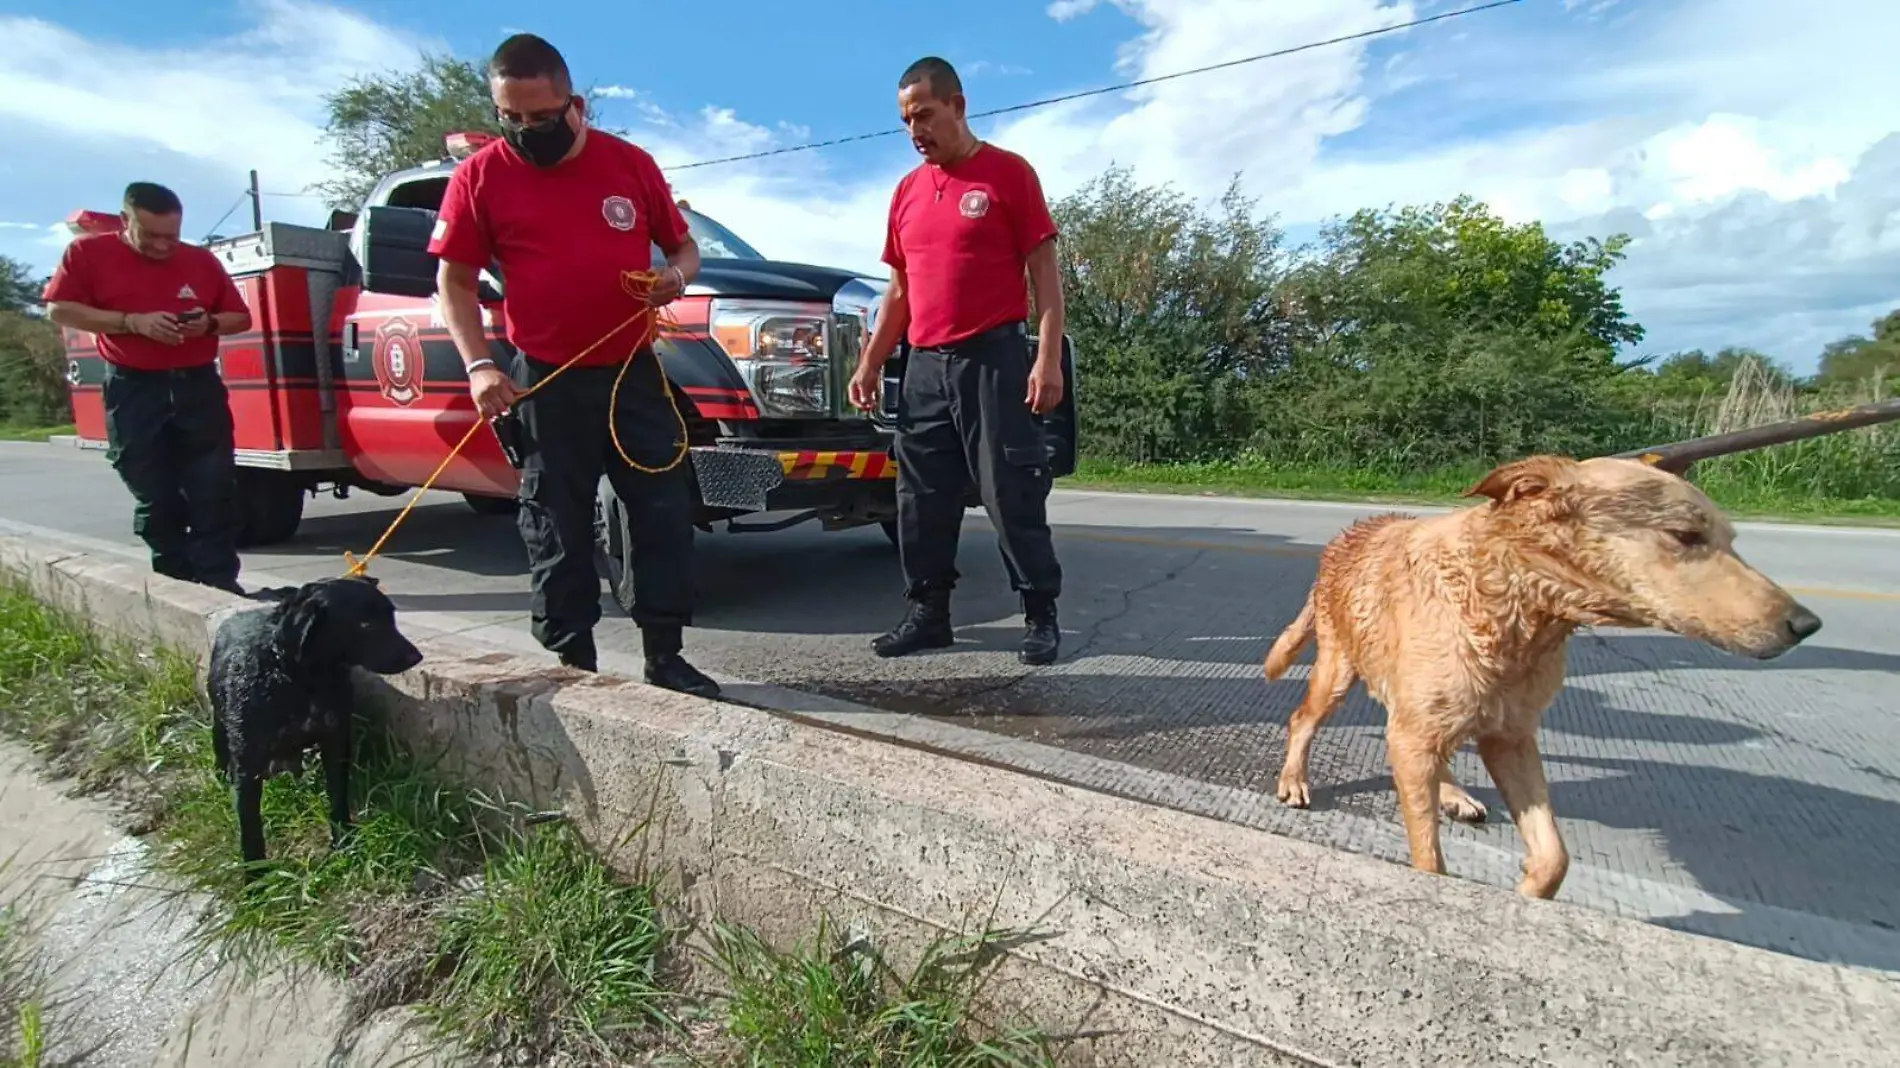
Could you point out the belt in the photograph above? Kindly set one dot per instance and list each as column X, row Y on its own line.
column 978, row 340
column 163, row 372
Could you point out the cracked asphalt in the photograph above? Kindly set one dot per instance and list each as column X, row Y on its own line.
column 1750, row 801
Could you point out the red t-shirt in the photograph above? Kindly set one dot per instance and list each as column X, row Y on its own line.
column 962, row 237
column 561, row 238
column 103, row 271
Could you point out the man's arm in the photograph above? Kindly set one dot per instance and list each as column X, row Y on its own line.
column 1036, row 234
column 229, row 311
column 458, row 285
column 893, row 318
column 681, row 267
column 76, row 316
column 1046, row 278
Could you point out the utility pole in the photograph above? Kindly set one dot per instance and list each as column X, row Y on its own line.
column 257, row 205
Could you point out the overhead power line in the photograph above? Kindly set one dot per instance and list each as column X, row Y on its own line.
column 242, row 197
column 1047, row 102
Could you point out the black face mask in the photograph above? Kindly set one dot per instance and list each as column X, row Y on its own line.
column 543, row 144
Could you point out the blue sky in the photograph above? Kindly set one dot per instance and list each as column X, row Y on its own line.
column 1748, row 153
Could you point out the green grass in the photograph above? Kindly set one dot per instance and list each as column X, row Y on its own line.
column 508, row 934
column 502, row 928
column 1730, row 483
column 23, row 998
column 9, row 432
column 842, row 1006
column 1847, row 477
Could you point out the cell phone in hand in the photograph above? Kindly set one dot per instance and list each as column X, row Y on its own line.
column 190, row 316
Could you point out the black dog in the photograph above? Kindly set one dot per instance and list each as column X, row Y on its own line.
column 279, row 683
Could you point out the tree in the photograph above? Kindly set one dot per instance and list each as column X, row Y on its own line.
column 1173, row 309
column 385, row 122
column 1437, row 270
column 1697, row 372
column 19, row 289
column 1855, row 359
column 32, row 371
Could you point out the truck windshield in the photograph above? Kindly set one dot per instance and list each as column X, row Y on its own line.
column 715, row 241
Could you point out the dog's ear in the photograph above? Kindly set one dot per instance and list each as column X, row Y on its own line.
column 1533, row 476
column 297, row 630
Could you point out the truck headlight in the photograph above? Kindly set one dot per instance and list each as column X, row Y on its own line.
column 782, row 351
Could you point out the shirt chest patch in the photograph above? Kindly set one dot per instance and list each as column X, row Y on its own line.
column 974, row 204
column 185, row 292
column 619, row 213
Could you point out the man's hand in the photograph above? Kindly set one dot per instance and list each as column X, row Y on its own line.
column 197, row 327
column 666, row 288
column 161, row 327
column 1045, row 384
column 494, row 391
column 867, row 383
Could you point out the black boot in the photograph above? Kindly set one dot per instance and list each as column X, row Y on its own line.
column 578, row 652
column 925, row 626
column 1041, row 637
column 667, row 669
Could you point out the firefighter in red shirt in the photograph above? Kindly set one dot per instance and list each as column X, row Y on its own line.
column 562, row 210
column 157, row 307
column 965, row 227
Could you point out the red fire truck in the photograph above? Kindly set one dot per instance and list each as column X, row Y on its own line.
column 349, row 381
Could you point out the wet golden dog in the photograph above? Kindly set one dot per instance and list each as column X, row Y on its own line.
column 1458, row 623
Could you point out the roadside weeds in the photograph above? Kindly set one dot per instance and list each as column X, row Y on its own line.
column 498, row 926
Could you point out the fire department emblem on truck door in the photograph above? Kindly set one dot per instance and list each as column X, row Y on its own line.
column 618, row 211
column 398, row 362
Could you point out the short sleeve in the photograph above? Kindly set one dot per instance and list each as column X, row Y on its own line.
column 1033, row 223
column 666, row 225
column 228, row 299
column 72, row 279
column 893, row 247
column 460, row 236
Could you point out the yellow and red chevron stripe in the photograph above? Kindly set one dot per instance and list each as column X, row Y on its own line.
column 811, row 466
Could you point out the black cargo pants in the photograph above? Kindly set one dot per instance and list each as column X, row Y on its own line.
column 963, row 418
column 566, row 447
column 170, row 437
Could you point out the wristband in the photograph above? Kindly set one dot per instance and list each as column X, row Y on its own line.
column 479, row 364
column 679, row 274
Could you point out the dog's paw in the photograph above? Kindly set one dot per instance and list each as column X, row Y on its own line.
column 1294, row 793
column 1460, row 806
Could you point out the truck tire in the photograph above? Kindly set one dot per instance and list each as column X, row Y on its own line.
column 269, row 505
column 484, row 505
column 613, row 544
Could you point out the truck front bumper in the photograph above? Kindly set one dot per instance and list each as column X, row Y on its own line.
column 769, row 480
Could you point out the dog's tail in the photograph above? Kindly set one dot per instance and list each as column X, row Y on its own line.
column 1291, row 641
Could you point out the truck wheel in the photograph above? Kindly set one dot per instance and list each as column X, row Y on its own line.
column 484, row 505
column 270, row 507
column 613, row 542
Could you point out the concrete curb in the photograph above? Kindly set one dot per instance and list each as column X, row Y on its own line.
column 1170, row 938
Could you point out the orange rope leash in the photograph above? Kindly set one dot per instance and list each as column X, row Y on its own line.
column 637, row 285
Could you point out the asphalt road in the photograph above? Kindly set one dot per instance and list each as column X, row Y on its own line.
column 1757, row 802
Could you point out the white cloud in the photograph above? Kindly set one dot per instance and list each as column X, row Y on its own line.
column 1064, row 10
column 251, row 99
column 20, row 226
column 1735, row 144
